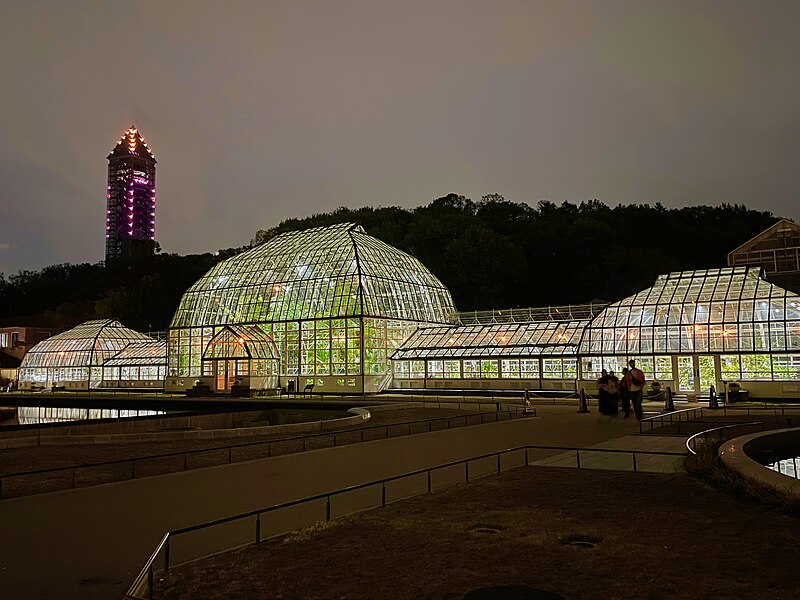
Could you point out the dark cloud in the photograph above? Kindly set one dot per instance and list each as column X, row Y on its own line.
column 260, row 111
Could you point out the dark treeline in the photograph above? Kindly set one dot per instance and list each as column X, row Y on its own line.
column 143, row 295
column 492, row 253
column 500, row 254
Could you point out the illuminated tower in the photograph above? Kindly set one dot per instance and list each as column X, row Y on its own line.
column 130, row 199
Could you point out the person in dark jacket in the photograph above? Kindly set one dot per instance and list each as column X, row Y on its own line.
column 624, row 394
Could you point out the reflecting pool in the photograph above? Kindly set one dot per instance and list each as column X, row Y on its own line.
column 787, row 466
column 34, row 415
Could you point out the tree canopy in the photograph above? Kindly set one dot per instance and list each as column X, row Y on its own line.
column 492, row 253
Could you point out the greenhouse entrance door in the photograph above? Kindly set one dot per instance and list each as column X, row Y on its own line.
column 225, row 373
column 696, row 374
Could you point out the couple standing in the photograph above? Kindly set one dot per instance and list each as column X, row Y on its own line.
column 629, row 390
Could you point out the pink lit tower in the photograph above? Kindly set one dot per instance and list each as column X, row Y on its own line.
column 130, row 199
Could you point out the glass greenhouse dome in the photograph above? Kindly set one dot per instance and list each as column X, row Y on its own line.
column 696, row 329
column 74, row 359
column 323, row 307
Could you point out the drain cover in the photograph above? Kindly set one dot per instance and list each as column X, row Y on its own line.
column 582, row 541
column 511, row 592
column 486, row 529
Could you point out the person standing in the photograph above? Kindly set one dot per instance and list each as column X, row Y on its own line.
column 635, row 388
column 603, row 397
column 624, row 393
column 613, row 393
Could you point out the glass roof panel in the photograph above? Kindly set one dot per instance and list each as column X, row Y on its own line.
column 681, row 308
column 482, row 341
column 324, row 272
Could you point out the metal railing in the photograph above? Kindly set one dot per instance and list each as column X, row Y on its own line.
column 671, row 417
column 691, row 442
column 142, row 587
column 685, row 415
column 359, row 433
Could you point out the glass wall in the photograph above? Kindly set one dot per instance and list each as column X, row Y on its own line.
column 508, row 351
column 751, row 324
column 335, row 302
column 76, row 356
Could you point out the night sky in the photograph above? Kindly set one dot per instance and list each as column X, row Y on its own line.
column 262, row 111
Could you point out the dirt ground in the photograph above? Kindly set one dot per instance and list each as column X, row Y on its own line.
column 645, row 536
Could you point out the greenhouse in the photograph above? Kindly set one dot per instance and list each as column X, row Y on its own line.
column 539, row 355
column 696, row 329
column 691, row 330
column 323, row 307
column 74, row 359
column 140, row 365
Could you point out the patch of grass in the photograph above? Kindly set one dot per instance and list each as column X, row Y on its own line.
column 309, row 533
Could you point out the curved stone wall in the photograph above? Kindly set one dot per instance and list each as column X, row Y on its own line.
column 737, row 454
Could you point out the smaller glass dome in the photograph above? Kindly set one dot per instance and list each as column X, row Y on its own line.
column 70, row 355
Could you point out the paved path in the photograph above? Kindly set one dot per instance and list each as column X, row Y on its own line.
column 616, row 461
column 90, row 542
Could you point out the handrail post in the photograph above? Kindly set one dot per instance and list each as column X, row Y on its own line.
column 150, row 582
column 498, row 462
column 258, row 528
column 328, row 507
column 429, row 481
column 383, row 494
column 578, row 458
column 634, row 462
column 166, row 556
column 466, row 471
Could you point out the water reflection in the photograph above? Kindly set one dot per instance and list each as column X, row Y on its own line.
column 32, row 415
column 787, row 466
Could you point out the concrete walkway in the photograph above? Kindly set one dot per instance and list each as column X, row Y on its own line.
column 90, row 542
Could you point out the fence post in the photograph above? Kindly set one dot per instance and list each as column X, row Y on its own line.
column 383, row 494
column 327, row 508
column 429, row 481
column 634, row 462
column 498, row 462
column 150, row 582
column 166, row 556
column 466, row 470
column 258, row 528
column 526, row 456
column 578, row 458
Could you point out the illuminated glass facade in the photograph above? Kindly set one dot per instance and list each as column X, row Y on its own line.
column 138, row 365
column 130, row 199
column 701, row 328
column 334, row 303
column 74, row 359
column 691, row 330
column 519, row 354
